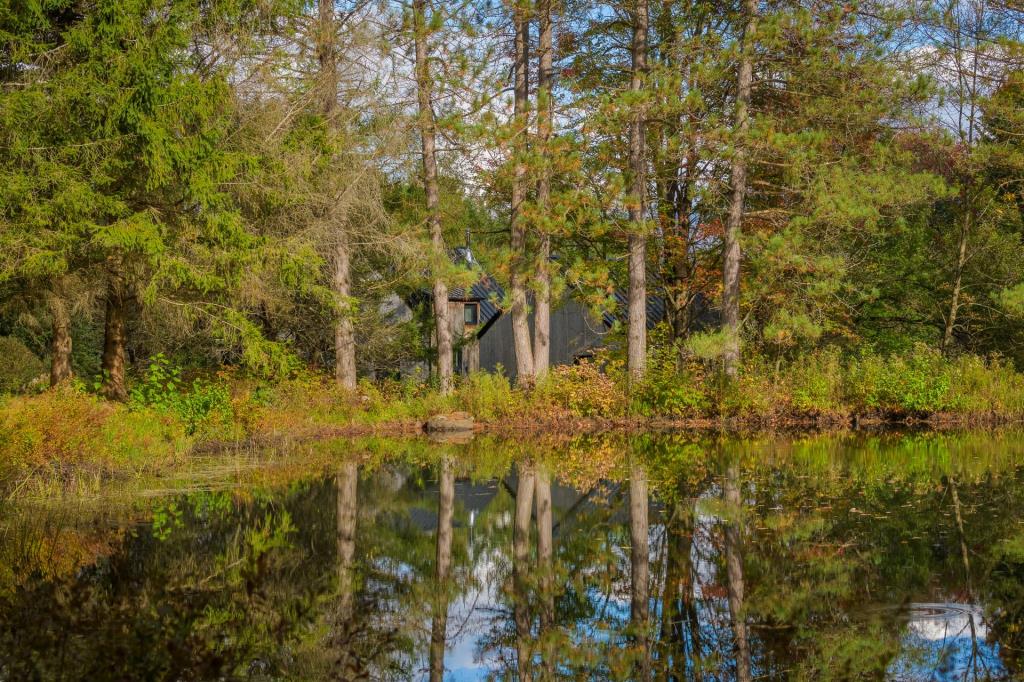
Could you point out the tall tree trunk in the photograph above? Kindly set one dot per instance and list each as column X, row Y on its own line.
column 428, row 143
column 734, row 569
column 344, row 331
column 60, row 344
column 636, row 352
column 545, row 107
column 525, row 371
column 640, row 565
column 546, row 567
column 115, row 338
column 520, row 571
column 445, row 513
column 346, row 508
column 732, row 256
column 961, row 260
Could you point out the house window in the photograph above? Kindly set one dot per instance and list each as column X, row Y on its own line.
column 471, row 311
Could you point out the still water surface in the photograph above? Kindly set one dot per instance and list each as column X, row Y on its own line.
column 669, row 557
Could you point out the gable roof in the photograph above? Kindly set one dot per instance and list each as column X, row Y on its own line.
column 485, row 292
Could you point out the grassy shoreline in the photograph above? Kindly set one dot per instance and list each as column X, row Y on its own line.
column 68, row 431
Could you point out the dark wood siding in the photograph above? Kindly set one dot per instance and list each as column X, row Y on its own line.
column 574, row 331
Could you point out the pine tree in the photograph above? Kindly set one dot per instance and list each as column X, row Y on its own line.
column 738, row 182
column 636, row 352
column 525, row 368
column 545, row 109
column 428, row 142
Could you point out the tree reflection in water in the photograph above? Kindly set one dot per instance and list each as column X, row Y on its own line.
column 442, row 568
column 666, row 557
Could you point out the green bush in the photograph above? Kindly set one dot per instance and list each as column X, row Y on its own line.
column 159, row 386
column 753, row 395
column 666, row 392
column 19, row 367
column 161, row 389
column 816, row 383
column 919, row 382
column 987, row 387
column 489, row 396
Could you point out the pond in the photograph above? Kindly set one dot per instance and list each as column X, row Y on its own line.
column 617, row 557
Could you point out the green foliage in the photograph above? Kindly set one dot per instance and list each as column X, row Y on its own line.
column 68, row 426
column 917, row 383
column 134, row 150
column 20, row 366
column 490, row 397
column 166, row 519
column 668, row 391
column 816, row 382
column 159, row 386
column 707, row 345
column 161, row 389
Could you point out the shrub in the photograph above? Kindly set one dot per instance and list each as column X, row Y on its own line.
column 161, row 389
column 753, row 395
column 19, row 367
column 667, row 392
column 304, row 401
column 918, row 382
column 159, row 385
column 987, row 387
column 865, row 375
column 206, row 402
column 490, row 396
column 67, row 425
column 707, row 346
column 584, row 390
column 815, row 383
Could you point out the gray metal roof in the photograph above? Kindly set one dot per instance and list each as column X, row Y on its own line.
column 487, row 293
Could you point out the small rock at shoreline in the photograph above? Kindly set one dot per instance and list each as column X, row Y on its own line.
column 454, row 421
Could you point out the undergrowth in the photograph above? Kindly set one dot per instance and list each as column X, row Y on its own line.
column 166, row 416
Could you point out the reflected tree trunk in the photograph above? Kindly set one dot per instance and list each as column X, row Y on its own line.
column 734, row 569
column 640, row 566
column 346, row 483
column 521, row 569
column 545, row 567
column 965, row 558
column 679, row 610
column 964, row 555
column 439, row 626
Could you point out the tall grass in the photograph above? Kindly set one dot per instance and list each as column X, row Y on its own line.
column 166, row 417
